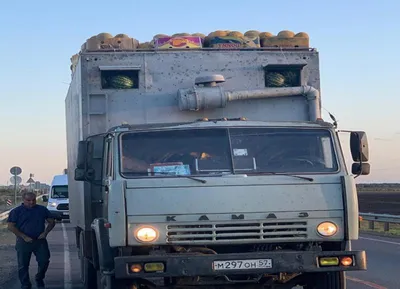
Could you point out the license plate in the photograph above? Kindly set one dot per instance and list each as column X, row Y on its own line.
column 66, row 214
column 242, row 264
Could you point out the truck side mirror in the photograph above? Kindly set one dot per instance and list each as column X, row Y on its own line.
column 84, row 175
column 45, row 198
column 82, row 154
column 359, row 146
column 360, row 169
column 84, row 170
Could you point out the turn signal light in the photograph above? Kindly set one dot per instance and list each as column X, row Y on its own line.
column 135, row 268
column 329, row 261
column 336, row 261
column 346, row 261
column 154, row 267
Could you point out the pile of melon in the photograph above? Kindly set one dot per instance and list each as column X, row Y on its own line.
column 255, row 33
column 266, row 38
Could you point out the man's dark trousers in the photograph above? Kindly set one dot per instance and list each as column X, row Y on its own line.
column 40, row 249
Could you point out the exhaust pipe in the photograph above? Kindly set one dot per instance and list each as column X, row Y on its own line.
column 210, row 97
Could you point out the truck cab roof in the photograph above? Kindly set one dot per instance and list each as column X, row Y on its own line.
column 216, row 123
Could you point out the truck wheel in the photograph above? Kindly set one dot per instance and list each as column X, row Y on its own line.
column 104, row 282
column 329, row 280
column 88, row 273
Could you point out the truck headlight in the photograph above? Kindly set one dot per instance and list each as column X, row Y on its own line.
column 146, row 234
column 53, row 204
column 327, row 229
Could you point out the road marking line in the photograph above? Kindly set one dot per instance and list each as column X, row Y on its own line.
column 366, row 283
column 67, row 262
column 379, row 240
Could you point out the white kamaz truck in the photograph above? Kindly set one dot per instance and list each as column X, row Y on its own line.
column 201, row 161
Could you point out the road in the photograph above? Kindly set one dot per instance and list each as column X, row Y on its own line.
column 383, row 265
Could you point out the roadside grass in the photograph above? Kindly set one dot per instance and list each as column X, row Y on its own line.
column 394, row 229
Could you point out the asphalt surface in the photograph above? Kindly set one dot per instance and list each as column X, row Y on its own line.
column 383, row 265
column 63, row 271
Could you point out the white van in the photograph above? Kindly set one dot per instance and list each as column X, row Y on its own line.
column 58, row 201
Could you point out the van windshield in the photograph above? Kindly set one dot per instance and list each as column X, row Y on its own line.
column 227, row 150
column 59, row 192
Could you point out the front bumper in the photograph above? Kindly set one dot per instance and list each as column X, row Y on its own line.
column 182, row 265
column 60, row 215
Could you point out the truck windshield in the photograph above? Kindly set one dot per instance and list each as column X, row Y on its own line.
column 234, row 150
column 282, row 150
column 176, row 152
column 59, row 192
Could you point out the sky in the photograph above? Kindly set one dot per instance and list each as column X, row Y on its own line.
column 357, row 41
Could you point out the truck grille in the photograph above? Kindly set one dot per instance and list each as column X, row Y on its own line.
column 237, row 232
column 63, row 207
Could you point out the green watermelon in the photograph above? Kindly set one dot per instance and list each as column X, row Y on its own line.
column 275, row 79
column 121, row 82
column 290, row 78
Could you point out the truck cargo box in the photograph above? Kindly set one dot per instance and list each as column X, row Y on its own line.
column 140, row 86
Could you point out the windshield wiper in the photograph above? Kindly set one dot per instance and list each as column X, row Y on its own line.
column 168, row 174
column 192, row 178
column 283, row 174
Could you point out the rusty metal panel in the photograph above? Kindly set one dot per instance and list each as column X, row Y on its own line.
column 162, row 73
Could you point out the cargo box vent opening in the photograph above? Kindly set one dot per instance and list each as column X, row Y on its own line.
column 283, row 75
column 119, row 77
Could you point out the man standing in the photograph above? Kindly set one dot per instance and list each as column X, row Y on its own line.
column 27, row 222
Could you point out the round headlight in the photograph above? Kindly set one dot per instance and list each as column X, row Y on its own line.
column 327, row 229
column 146, row 234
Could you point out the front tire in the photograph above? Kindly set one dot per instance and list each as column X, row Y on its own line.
column 109, row 282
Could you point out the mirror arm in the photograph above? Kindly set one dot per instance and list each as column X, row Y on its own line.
column 360, row 162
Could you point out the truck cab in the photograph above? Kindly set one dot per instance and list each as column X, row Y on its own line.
column 58, row 198
column 230, row 199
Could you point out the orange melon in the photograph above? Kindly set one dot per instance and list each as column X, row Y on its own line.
column 285, row 34
column 265, row 35
column 236, row 34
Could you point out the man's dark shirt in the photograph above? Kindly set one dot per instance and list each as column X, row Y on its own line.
column 30, row 221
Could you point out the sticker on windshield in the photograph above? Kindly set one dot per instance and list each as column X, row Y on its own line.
column 182, row 170
column 240, row 152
